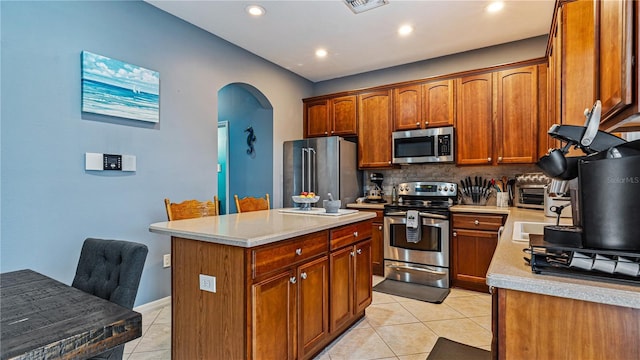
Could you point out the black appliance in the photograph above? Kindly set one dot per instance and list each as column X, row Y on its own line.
column 416, row 233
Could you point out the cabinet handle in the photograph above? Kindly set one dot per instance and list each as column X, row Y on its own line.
column 499, row 158
column 325, row 133
column 292, row 279
column 352, row 253
column 355, row 234
column 418, row 124
column 476, row 222
column 389, row 161
column 298, row 251
column 303, row 275
column 359, row 251
column 488, row 159
column 455, row 234
column 380, row 227
column 426, row 123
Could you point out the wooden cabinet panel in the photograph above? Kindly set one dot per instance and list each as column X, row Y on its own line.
column 313, row 295
column 316, row 118
column 407, row 105
column 274, row 317
column 439, row 103
column 363, row 276
column 477, row 221
column 377, row 248
column 517, row 115
column 474, row 119
column 341, row 288
column 343, row 117
column 349, row 234
column 275, row 256
column 374, row 129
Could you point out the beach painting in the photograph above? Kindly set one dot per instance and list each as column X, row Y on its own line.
column 112, row 87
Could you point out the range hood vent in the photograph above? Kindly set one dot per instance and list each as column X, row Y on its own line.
column 358, row 6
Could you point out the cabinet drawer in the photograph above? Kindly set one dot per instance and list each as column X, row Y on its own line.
column 477, row 221
column 275, row 256
column 349, row 234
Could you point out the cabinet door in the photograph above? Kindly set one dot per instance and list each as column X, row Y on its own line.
column 407, row 105
column 274, row 317
column 616, row 56
column 472, row 253
column 474, row 125
column 344, row 116
column 439, row 105
column 313, row 305
column 362, row 276
column 316, row 118
column 377, row 249
column 517, row 115
column 374, row 129
column 341, row 287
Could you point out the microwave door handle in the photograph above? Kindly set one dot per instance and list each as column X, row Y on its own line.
column 398, row 267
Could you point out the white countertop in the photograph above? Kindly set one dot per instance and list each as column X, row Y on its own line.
column 509, row 271
column 254, row 228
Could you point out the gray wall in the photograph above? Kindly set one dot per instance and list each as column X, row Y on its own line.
column 476, row 59
column 50, row 204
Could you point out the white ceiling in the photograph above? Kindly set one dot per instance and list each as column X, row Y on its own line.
column 291, row 31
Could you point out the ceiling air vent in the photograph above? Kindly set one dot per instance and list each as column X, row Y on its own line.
column 358, row 6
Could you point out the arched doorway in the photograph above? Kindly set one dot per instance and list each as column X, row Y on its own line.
column 242, row 107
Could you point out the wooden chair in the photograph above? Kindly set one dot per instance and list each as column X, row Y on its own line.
column 190, row 209
column 252, row 204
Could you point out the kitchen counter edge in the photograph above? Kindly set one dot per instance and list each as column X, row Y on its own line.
column 258, row 227
column 509, row 271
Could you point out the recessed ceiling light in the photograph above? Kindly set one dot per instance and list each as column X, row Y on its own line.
column 255, row 10
column 405, row 30
column 321, row 53
column 495, row 6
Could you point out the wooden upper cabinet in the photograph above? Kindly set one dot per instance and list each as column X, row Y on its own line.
column 374, row 129
column 439, row 104
column 316, row 118
column 517, row 115
column 343, row 117
column 329, row 117
column 615, row 55
column 474, row 121
column 421, row 106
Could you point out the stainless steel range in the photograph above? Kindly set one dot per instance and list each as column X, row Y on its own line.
column 416, row 233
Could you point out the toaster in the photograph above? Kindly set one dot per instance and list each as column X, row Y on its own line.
column 530, row 190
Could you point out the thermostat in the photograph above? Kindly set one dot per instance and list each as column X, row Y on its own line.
column 113, row 162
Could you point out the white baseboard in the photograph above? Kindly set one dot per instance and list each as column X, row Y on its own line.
column 153, row 305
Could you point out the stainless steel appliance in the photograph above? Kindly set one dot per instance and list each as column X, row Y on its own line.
column 434, row 145
column 321, row 165
column 416, row 233
column 530, row 190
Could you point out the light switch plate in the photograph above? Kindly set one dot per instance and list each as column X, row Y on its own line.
column 208, row 283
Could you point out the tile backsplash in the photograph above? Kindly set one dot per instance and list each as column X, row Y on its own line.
column 444, row 172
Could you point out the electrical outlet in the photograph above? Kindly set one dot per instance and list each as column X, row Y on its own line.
column 166, row 260
column 208, row 283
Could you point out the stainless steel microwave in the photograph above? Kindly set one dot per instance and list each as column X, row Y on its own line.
column 434, row 145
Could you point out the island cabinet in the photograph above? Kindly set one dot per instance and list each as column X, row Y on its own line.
column 537, row 326
column 497, row 117
column 474, row 240
column 419, row 106
column 331, row 117
column 271, row 301
column 374, row 129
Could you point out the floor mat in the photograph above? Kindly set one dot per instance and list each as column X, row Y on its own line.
column 446, row 349
column 412, row 291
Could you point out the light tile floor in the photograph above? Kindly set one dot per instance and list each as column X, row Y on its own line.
column 393, row 328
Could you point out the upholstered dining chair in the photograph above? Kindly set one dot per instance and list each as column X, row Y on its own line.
column 111, row 269
column 251, row 203
column 190, row 209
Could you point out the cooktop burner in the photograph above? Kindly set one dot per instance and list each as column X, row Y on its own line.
column 420, row 195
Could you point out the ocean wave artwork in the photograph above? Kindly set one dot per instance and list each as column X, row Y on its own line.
column 115, row 88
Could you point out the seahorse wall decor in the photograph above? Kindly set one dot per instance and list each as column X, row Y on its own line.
column 251, row 138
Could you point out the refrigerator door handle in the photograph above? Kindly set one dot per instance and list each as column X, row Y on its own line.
column 312, row 170
column 305, row 153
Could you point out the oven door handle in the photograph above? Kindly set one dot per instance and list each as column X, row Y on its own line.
column 398, row 267
column 422, row 214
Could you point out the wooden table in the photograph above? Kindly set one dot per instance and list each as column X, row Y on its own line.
column 42, row 318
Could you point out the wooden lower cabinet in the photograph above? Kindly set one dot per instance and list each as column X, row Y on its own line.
column 535, row 326
column 474, row 240
column 271, row 301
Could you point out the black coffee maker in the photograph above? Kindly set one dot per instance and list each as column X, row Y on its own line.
column 606, row 202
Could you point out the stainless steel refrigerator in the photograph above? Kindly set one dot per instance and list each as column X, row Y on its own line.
column 322, row 165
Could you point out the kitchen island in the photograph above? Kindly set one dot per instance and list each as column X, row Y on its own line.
column 266, row 284
column 539, row 316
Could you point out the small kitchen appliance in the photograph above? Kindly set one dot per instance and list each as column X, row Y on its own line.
column 433, row 145
column 416, row 233
column 375, row 194
column 530, row 190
